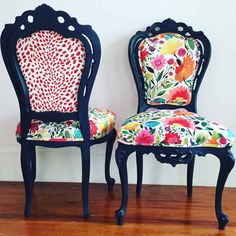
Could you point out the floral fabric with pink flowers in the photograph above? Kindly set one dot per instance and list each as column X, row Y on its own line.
column 169, row 64
column 173, row 128
column 101, row 123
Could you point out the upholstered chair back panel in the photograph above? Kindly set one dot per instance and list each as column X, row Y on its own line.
column 169, row 62
column 52, row 66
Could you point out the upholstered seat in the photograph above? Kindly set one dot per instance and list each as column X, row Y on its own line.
column 101, row 124
column 173, row 128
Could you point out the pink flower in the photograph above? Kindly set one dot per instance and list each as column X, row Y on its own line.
column 158, row 62
column 172, row 138
column 170, row 61
column 93, row 128
column 181, row 52
column 223, row 140
column 144, row 137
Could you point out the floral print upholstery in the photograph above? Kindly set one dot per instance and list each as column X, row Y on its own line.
column 52, row 67
column 173, row 128
column 169, row 64
column 101, row 123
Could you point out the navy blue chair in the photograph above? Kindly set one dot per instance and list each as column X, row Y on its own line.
column 168, row 61
column 52, row 62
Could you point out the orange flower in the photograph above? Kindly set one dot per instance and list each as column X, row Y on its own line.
column 212, row 141
column 185, row 69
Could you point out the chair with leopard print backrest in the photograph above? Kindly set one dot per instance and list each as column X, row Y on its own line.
column 168, row 62
column 52, row 61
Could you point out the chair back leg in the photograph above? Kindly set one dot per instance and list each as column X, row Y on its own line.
column 33, row 163
column 85, row 155
column 110, row 181
column 139, row 161
column 190, row 169
column 26, row 154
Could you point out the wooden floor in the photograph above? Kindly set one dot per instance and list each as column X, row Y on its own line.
column 162, row 210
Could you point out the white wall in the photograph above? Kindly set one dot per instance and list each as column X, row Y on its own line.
column 115, row 22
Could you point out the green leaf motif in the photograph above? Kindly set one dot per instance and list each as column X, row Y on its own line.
column 204, row 124
column 217, row 135
column 150, row 69
column 67, row 134
column 191, row 44
column 166, row 86
column 160, row 75
column 201, row 138
column 161, row 92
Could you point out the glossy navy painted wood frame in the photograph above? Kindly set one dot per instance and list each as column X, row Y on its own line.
column 171, row 155
column 45, row 18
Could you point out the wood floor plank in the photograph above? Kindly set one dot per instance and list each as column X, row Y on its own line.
column 161, row 210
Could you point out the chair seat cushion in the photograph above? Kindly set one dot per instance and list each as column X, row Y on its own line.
column 101, row 123
column 173, row 128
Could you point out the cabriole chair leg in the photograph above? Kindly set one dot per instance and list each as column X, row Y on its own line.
column 226, row 164
column 110, row 181
column 121, row 160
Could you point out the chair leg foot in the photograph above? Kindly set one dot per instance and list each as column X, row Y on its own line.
column 226, row 164
column 27, row 212
column 223, row 220
column 121, row 160
column 86, row 215
column 110, row 181
column 120, row 217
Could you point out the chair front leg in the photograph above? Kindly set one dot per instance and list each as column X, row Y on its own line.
column 85, row 153
column 27, row 176
column 139, row 161
column 33, row 163
column 226, row 164
column 121, row 160
column 109, row 147
column 190, row 170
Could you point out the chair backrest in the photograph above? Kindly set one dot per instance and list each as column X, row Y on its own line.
column 168, row 62
column 52, row 61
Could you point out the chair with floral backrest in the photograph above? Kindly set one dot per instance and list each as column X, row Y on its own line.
column 52, row 62
column 168, row 62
